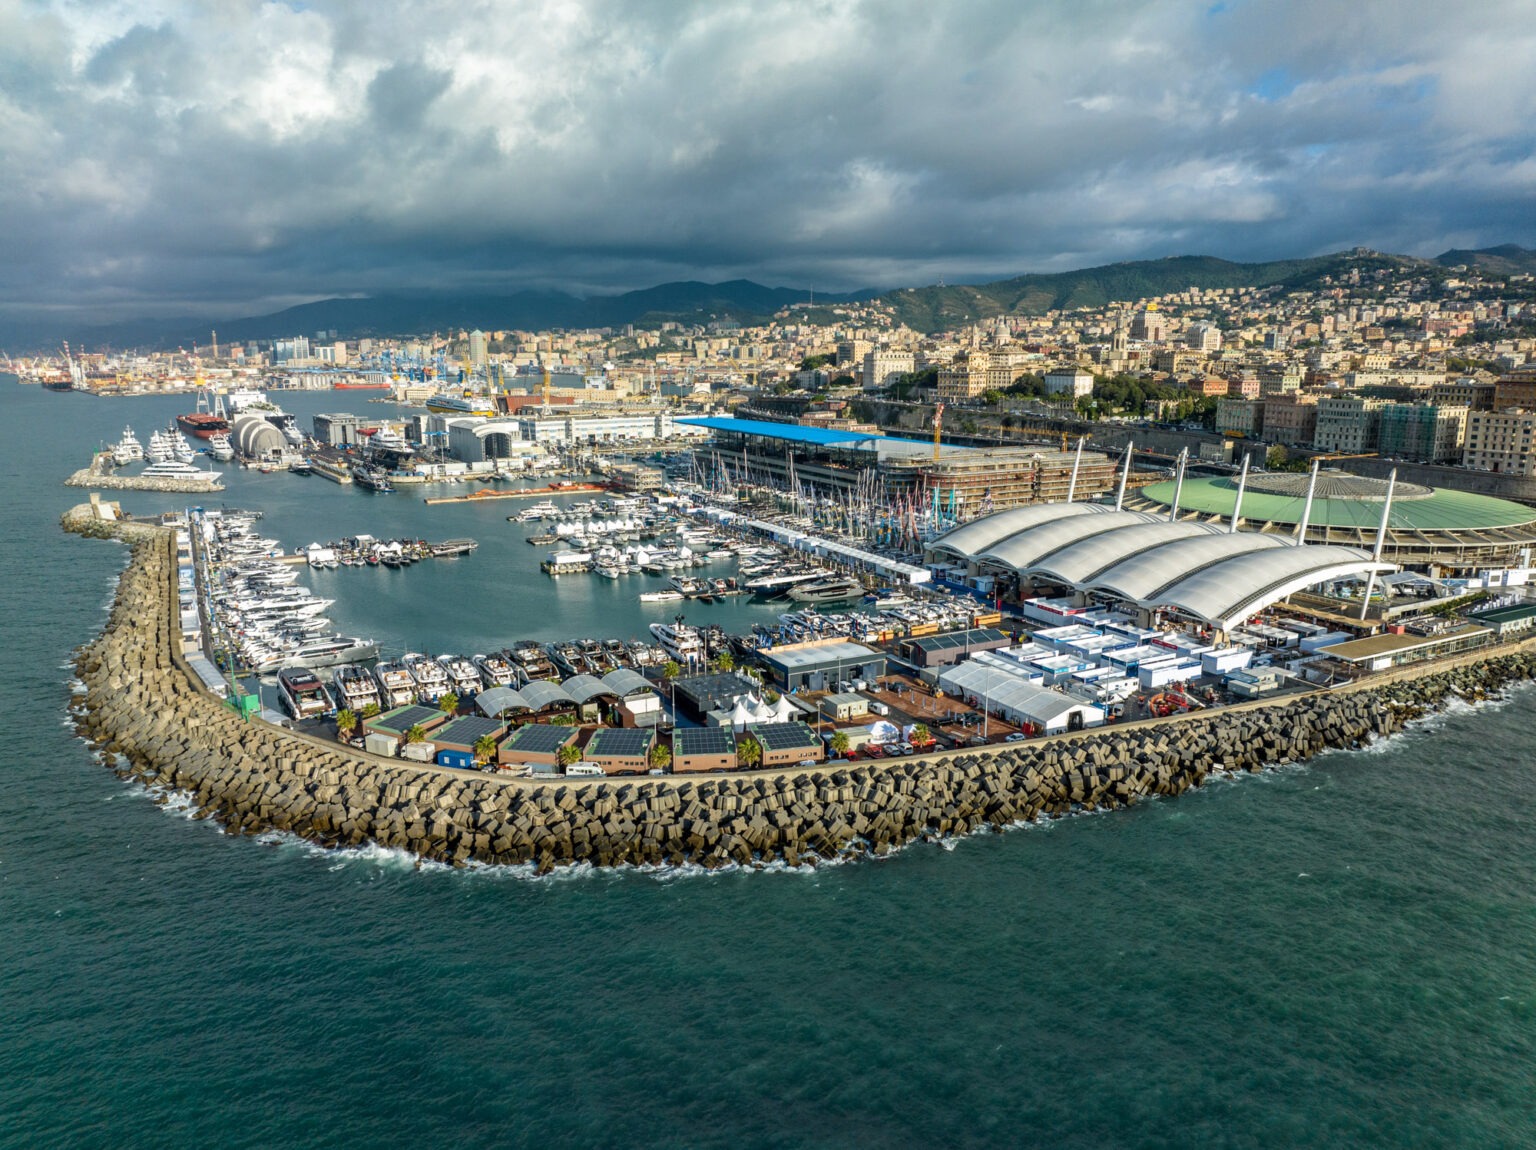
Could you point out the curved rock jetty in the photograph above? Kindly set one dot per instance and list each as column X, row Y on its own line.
column 146, row 713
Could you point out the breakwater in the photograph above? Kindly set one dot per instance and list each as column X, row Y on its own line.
column 100, row 474
column 151, row 721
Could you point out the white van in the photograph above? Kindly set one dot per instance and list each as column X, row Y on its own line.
column 585, row 769
column 876, row 707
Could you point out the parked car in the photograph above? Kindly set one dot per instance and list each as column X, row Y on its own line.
column 1016, row 737
column 874, row 751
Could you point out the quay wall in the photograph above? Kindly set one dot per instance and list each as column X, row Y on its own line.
column 150, row 719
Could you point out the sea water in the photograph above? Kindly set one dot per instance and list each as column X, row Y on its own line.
column 1338, row 953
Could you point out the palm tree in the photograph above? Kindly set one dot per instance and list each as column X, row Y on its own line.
column 346, row 723
column 839, row 743
column 485, row 749
column 724, row 663
column 568, row 754
column 921, row 735
column 416, row 733
column 660, row 757
column 449, row 703
column 671, row 669
column 749, row 754
column 370, row 710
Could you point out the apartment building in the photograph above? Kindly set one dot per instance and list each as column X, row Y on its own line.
column 1348, row 424
column 1422, row 432
column 1290, row 419
column 1501, row 441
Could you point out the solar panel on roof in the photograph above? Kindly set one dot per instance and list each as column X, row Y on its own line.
column 703, row 741
column 959, row 639
column 405, row 718
column 467, row 730
column 619, row 741
column 784, row 736
column 539, row 739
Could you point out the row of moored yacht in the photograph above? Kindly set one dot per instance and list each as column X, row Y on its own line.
column 271, row 622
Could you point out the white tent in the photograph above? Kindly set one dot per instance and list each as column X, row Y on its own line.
column 1018, row 700
column 782, row 712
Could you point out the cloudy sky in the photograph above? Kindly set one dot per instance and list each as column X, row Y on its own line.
column 233, row 156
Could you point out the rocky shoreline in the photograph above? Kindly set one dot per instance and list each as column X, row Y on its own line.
column 145, row 713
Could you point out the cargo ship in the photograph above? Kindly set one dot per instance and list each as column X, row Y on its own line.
column 360, row 385
column 205, row 422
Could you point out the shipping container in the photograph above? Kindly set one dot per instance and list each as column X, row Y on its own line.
column 376, row 743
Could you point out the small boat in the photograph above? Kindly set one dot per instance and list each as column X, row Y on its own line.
column 660, row 596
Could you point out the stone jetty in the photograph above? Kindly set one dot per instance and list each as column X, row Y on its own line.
column 99, row 474
column 145, row 712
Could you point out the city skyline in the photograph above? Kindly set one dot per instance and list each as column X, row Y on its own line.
column 180, row 158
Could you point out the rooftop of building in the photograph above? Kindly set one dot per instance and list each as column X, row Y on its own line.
column 1343, row 501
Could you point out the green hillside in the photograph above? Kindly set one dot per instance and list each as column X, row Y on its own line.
column 938, row 308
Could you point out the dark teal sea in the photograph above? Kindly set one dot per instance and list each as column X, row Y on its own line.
column 1337, row 954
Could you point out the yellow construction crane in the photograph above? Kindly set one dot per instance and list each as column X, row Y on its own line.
column 546, row 389
column 938, row 425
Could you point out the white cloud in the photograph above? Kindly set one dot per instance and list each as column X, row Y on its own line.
column 172, row 152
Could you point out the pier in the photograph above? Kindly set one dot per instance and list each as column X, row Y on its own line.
column 521, row 493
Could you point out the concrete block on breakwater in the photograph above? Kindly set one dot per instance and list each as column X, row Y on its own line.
column 147, row 714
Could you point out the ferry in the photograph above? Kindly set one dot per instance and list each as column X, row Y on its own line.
column 446, row 403
column 303, row 695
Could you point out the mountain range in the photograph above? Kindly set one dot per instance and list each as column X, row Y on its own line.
column 925, row 309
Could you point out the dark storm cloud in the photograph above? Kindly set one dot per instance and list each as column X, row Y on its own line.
column 171, row 155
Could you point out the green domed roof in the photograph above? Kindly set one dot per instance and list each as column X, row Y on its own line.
column 1343, row 500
